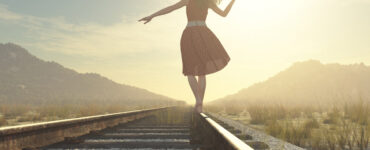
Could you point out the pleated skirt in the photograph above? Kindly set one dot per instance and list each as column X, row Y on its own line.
column 201, row 51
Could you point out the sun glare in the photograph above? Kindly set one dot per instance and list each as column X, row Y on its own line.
column 267, row 9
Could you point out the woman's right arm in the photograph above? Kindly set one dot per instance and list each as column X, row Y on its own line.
column 166, row 10
column 222, row 13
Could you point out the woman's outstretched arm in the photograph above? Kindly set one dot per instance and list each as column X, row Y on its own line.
column 166, row 10
column 222, row 13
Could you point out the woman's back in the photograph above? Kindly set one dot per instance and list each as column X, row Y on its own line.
column 196, row 11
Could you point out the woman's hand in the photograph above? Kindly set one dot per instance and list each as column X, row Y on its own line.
column 222, row 13
column 166, row 10
column 146, row 19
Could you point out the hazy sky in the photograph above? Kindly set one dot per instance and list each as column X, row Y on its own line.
column 262, row 38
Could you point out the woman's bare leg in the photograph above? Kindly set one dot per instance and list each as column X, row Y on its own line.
column 194, row 87
column 202, row 89
column 198, row 88
column 201, row 86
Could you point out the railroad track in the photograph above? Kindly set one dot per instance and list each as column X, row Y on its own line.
column 148, row 132
column 172, row 128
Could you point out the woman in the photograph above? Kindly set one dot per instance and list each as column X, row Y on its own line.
column 201, row 51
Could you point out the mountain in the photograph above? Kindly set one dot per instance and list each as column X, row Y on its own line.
column 26, row 79
column 309, row 82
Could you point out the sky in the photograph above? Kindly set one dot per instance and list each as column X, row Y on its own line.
column 262, row 37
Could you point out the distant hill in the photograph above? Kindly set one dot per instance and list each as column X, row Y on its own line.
column 26, row 79
column 308, row 82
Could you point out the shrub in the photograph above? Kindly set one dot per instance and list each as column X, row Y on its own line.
column 29, row 116
column 312, row 124
column 258, row 114
column 234, row 109
column 359, row 112
column 287, row 131
column 3, row 121
column 333, row 116
column 14, row 110
column 318, row 143
column 274, row 128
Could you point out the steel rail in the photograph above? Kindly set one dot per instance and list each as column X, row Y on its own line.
column 44, row 133
column 215, row 136
column 205, row 133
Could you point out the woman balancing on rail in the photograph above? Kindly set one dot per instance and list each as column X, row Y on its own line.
column 201, row 51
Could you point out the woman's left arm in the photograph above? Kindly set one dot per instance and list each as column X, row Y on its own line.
column 166, row 10
column 220, row 12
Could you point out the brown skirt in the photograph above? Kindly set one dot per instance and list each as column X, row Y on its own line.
column 201, row 51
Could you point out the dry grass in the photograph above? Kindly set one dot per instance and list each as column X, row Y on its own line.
column 22, row 114
column 3, row 121
column 334, row 127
